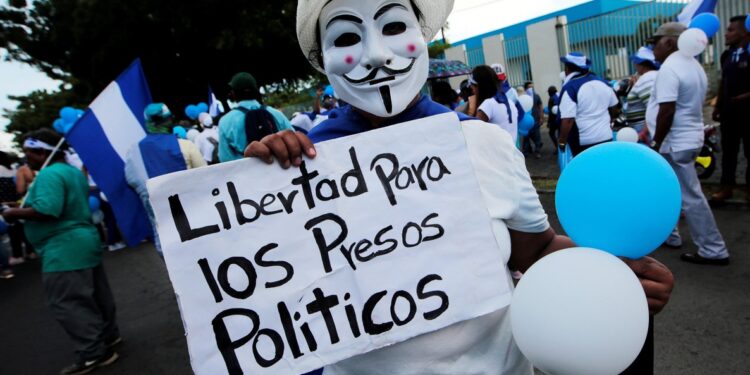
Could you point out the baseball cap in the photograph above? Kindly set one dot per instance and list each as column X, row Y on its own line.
column 243, row 82
column 668, row 29
column 156, row 113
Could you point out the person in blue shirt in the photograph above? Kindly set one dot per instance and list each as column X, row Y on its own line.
column 375, row 56
column 232, row 132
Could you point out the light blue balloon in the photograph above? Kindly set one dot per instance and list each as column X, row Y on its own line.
column 80, row 112
column 202, row 107
column 192, row 111
column 596, row 206
column 708, row 22
column 527, row 122
column 68, row 114
column 94, row 204
column 329, row 91
column 180, row 132
column 59, row 126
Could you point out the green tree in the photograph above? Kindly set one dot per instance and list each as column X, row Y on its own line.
column 39, row 109
column 184, row 46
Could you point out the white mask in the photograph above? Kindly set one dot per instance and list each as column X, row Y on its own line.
column 376, row 65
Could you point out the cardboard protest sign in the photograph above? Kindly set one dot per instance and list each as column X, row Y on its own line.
column 384, row 236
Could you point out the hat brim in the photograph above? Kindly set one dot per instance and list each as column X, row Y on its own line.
column 434, row 15
column 566, row 61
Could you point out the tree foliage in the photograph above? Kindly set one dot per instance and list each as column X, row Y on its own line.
column 39, row 109
column 184, row 46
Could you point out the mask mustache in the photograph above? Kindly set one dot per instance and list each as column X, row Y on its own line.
column 374, row 73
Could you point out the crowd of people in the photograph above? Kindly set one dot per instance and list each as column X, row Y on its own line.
column 49, row 210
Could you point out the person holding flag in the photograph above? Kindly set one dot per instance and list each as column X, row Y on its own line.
column 159, row 153
column 58, row 224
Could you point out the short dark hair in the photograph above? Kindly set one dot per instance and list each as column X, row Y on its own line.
column 575, row 68
column 740, row 19
column 51, row 138
column 527, row 84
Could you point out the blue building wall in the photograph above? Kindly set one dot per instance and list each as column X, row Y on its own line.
column 576, row 13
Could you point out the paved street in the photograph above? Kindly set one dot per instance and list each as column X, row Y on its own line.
column 703, row 330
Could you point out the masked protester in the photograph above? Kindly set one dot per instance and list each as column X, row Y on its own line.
column 375, row 56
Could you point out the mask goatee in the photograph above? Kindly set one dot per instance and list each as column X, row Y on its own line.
column 385, row 94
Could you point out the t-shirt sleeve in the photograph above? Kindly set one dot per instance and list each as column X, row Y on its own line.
column 503, row 178
column 568, row 108
column 488, row 109
column 667, row 86
column 47, row 195
column 613, row 101
column 529, row 215
column 282, row 123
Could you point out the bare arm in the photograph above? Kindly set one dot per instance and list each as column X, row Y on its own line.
column 26, row 213
column 483, row 116
column 565, row 127
column 664, row 121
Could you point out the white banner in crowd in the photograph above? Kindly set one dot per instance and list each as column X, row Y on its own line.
column 383, row 237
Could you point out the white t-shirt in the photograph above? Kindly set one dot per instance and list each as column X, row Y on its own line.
column 682, row 80
column 498, row 114
column 482, row 345
column 204, row 145
column 591, row 112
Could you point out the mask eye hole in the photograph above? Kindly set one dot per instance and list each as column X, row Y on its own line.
column 347, row 40
column 394, row 28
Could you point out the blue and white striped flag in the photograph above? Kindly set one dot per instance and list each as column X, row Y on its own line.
column 113, row 124
column 695, row 8
column 215, row 108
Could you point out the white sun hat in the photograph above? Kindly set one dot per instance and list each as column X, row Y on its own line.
column 434, row 14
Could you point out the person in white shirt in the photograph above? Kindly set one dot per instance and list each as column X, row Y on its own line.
column 587, row 106
column 208, row 140
column 494, row 106
column 354, row 39
column 680, row 91
column 640, row 89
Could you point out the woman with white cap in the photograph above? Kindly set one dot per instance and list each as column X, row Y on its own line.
column 375, row 56
column 640, row 89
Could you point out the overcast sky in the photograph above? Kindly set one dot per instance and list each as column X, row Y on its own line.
column 469, row 18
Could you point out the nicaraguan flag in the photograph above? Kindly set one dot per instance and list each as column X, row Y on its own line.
column 214, row 105
column 695, row 8
column 111, row 125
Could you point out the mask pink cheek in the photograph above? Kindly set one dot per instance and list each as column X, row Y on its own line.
column 411, row 48
column 349, row 60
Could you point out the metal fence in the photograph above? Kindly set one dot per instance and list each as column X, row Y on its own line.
column 518, row 64
column 610, row 39
column 475, row 56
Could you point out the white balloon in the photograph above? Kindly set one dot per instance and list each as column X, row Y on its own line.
column 692, row 42
column 191, row 134
column 580, row 311
column 527, row 102
column 627, row 135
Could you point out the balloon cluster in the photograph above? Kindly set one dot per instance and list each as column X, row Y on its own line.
column 694, row 40
column 68, row 118
column 582, row 310
column 192, row 111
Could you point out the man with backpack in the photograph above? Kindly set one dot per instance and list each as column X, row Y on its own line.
column 249, row 121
